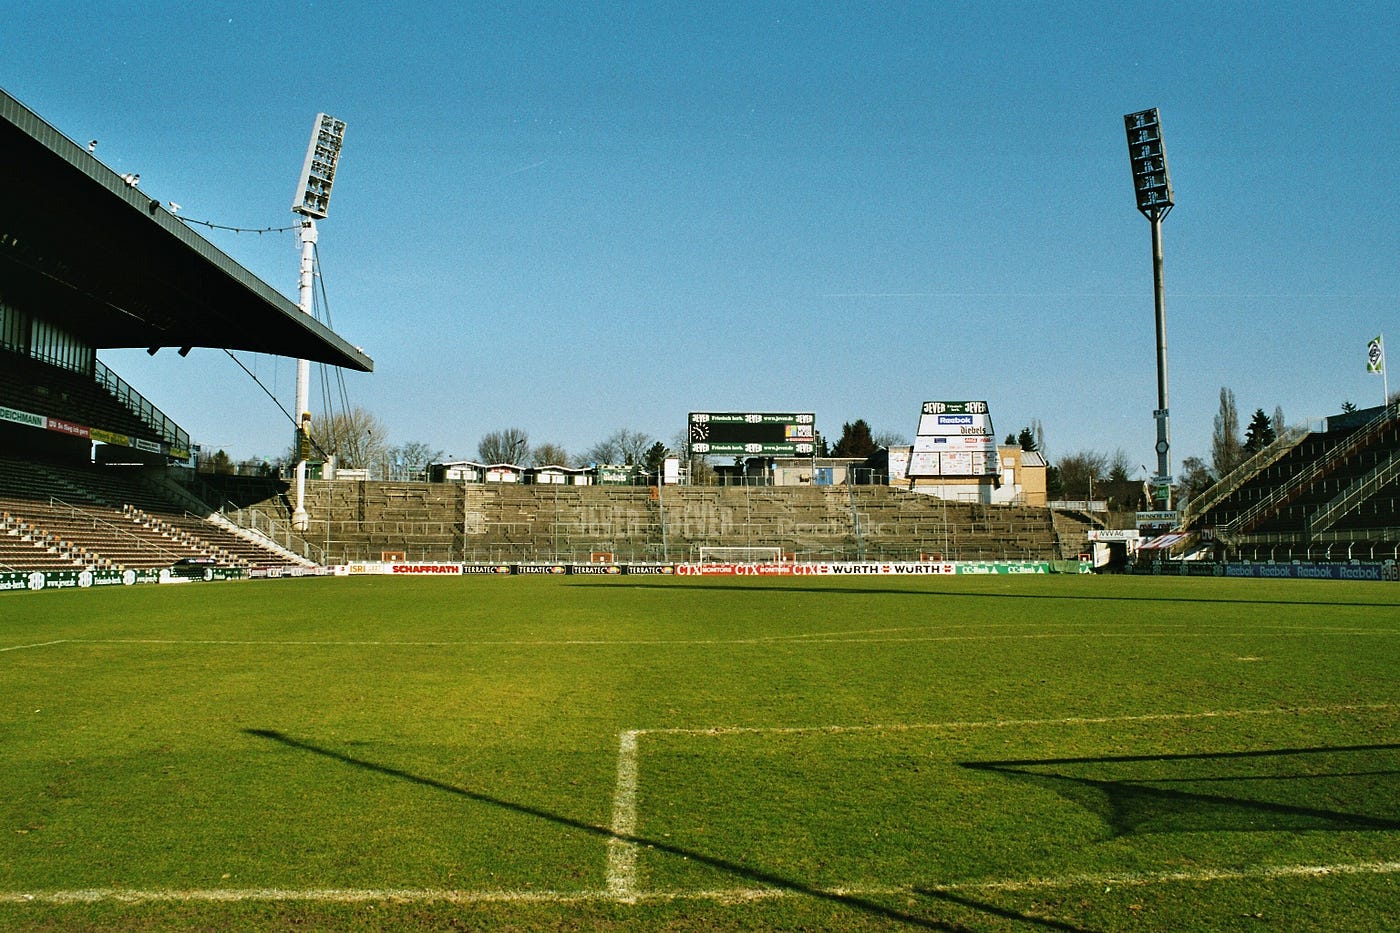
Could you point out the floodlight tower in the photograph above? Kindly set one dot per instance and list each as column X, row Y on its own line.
column 1153, row 187
column 313, row 199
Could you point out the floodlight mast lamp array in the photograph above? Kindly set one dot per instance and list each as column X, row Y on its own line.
column 313, row 201
column 1153, row 188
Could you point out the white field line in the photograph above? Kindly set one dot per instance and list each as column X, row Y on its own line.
column 622, row 850
column 798, row 640
column 1015, row 723
column 41, row 644
column 722, row 895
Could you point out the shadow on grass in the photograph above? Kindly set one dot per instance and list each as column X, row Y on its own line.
column 756, row 876
column 985, row 908
column 826, row 590
column 1345, row 788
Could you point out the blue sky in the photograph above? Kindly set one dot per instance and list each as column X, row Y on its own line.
column 578, row 217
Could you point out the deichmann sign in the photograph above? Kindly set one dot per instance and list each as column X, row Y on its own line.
column 28, row 419
column 73, row 429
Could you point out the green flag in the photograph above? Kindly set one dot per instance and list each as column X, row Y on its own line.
column 1375, row 356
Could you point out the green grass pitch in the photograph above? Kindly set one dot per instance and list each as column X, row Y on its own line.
column 980, row 753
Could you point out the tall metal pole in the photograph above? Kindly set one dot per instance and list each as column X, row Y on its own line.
column 305, row 294
column 661, row 511
column 312, row 200
column 1163, row 413
column 1152, row 187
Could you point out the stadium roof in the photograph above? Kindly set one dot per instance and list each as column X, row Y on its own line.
column 114, row 268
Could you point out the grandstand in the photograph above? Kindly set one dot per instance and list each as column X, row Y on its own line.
column 88, row 262
column 363, row 520
column 95, row 476
column 1326, row 495
column 57, row 516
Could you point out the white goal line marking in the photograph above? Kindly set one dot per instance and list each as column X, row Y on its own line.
column 1011, row 723
column 722, row 895
column 41, row 644
column 793, row 640
column 623, row 846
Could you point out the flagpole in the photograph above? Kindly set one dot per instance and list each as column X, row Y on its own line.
column 1385, row 376
column 1375, row 363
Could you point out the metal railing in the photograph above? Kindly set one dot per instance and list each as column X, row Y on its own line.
column 1320, row 467
column 270, row 531
column 1355, row 493
column 116, row 531
column 141, row 407
column 1243, row 473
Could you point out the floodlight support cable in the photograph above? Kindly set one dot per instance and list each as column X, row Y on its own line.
column 291, row 419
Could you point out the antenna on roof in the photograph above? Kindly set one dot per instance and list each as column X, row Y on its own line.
column 312, row 202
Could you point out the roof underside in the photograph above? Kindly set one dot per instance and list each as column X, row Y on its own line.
column 115, row 269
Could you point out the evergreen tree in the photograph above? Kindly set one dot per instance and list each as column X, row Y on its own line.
column 855, row 441
column 655, row 459
column 1118, row 466
column 1260, row 433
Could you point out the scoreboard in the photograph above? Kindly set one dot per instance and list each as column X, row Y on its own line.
column 954, row 439
column 752, row 434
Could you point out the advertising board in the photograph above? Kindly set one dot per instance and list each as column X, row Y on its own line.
column 752, row 434
column 954, row 439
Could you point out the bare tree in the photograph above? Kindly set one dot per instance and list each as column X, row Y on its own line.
column 1226, row 446
column 621, row 446
column 549, row 455
column 1080, row 471
column 1196, row 477
column 356, row 438
column 508, row 445
column 889, row 439
column 634, row 445
column 410, row 460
